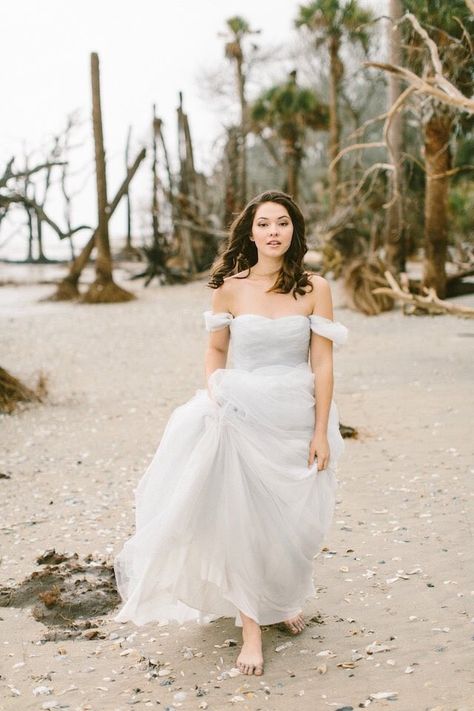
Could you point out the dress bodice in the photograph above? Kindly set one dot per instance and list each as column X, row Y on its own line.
column 258, row 340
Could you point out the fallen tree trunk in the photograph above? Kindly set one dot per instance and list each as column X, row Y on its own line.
column 419, row 304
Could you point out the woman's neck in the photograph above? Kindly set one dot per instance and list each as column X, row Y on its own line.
column 266, row 266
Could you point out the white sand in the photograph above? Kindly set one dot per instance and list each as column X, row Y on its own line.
column 404, row 507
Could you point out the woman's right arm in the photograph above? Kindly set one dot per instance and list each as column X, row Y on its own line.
column 218, row 341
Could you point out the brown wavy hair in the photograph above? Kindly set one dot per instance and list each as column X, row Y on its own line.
column 241, row 253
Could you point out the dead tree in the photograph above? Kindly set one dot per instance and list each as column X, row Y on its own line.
column 68, row 288
column 103, row 289
column 155, row 220
column 12, row 193
column 31, row 190
column 129, row 251
column 29, row 213
column 171, row 188
column 158, row 251
column 127, row 198
column 186, row 187
column 67, row 199
column 54, row 155
column 72, row 123
column 231, row 168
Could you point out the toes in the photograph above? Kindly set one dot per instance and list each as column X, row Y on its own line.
column 259, row 670
column 296, row 624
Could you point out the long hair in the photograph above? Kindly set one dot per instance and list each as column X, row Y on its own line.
column 241, row 253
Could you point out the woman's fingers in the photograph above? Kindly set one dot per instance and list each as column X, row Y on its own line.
column 323, row 462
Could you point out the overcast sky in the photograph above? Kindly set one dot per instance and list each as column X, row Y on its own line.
column 148, row 50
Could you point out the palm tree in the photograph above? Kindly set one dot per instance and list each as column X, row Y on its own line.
column 237, row 30
column 452, row 29
column 331, row 22
column 289, row 110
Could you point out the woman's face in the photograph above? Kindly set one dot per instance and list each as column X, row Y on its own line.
column 272, row 229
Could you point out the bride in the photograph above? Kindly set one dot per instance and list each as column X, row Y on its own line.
column 240, row 493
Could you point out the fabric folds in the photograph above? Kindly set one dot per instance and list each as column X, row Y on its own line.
column 229, row 516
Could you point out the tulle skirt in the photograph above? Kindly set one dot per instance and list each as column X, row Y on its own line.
column 228, row 514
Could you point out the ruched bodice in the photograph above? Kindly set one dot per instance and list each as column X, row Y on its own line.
column 258, row 340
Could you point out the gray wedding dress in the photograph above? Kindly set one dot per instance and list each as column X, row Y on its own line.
column 228, row 514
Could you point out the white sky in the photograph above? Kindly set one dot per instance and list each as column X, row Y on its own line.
column 148, row 51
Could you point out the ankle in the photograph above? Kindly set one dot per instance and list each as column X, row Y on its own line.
column 251, row 632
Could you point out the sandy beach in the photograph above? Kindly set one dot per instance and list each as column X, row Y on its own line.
column 392, row 625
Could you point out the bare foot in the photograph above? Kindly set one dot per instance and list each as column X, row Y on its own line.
column 250, row 659
column 295, row 625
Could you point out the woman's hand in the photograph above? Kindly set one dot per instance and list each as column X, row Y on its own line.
column 319, row 447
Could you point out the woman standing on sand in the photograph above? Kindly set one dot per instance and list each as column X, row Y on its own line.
column 240, row 493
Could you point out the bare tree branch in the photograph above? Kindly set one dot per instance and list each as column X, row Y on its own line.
column 6, row 200
column 9, row 175
column 374, row 167
column 388, row 115
column 427, row 86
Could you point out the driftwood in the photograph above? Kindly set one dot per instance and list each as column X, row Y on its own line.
column 13, row 391
column 348, row 432
column 359, row 280
column 418, row 303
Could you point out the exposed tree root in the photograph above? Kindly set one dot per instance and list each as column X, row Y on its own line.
column 108, row 293
column 66, row 290
column 362, row 275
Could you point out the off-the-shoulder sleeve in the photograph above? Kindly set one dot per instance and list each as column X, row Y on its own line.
column 334, row 330
column 213, row 322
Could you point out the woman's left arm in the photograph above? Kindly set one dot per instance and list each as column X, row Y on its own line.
column 322, row 367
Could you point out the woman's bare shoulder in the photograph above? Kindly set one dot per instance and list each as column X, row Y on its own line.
column 222, row 295
column 321, row 295
column 318, row 281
